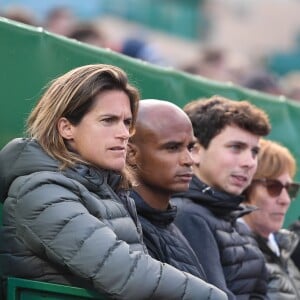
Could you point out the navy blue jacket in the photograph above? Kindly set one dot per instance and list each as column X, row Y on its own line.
column 164, row 240
column 207, row 218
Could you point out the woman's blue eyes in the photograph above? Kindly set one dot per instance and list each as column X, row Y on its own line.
column 108, row 120
column 127, row 122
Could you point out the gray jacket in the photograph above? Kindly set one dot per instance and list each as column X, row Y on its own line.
column 284, row 277
column 71, row 227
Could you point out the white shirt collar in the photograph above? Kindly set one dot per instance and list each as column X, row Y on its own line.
column 273, row 244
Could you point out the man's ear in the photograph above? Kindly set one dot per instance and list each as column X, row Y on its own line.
column 65, row 128
column 131, row 154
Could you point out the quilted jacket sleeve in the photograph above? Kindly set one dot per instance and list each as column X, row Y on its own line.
column 203, row 242
column 53, row 222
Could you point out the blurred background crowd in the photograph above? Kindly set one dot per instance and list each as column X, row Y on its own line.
column 255, row 44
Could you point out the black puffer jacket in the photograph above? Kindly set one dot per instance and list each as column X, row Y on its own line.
column 164, row 240
column 207, row 218
column 71, row 227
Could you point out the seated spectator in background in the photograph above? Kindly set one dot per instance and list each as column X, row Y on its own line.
column 20, row 14
column 88, row 33
column 219, row 64
column 140, row 49
column 225, row 156
column 211, row 64
column 262, row 81
column 60, row 20
column 271, row 191
column 291, row 85
column 67, row 217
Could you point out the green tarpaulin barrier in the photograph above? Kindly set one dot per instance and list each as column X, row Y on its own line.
column 30, row 57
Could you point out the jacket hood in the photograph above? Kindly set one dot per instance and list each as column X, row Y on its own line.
column 220, row 203
column 23, row 156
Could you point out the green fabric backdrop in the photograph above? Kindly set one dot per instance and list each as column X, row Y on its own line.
column 30, row 57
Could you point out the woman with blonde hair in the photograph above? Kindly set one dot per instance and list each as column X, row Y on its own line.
column 67, row 217
column 272, row 191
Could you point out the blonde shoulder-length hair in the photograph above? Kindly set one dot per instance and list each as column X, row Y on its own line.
column 71, row 96
column 273, row 160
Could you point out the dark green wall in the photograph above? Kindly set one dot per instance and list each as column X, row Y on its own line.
column 31, row 57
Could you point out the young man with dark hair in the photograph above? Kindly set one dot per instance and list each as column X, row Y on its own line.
column 225, row 156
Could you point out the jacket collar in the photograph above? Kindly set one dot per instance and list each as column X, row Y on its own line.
column 286, row 240
column 219, row 202
column 155, row 216
column 93, row 178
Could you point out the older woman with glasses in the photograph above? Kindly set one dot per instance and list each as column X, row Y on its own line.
column 272, row 191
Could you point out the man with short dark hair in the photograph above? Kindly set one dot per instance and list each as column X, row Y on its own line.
column 160, row 155
column 225, row 157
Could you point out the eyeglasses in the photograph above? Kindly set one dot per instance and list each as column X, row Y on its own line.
column 274, row 187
